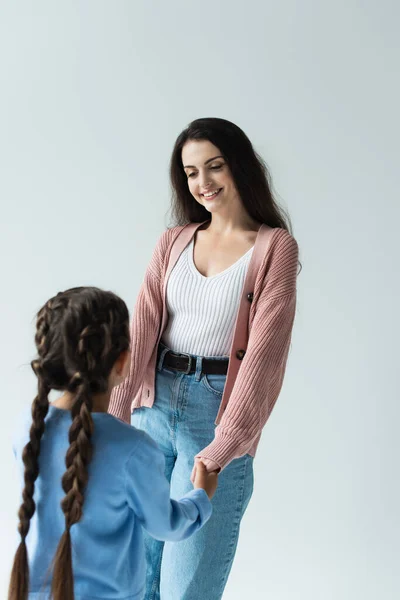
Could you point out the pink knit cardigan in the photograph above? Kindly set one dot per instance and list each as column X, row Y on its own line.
column 259, row 350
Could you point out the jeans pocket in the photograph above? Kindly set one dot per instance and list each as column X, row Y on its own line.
column 214, row 384
column 137, row 417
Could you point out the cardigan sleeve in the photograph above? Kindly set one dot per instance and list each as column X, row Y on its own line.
column 145, row 325
column 261, row 373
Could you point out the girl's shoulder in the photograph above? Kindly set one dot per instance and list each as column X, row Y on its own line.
column 20, row 431
column 134, row 445
column 119, row 431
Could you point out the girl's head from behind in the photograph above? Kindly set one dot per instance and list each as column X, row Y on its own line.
column 214, row 164
column 80, row 336
column 82, row 340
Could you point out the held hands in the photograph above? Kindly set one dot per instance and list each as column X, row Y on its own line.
column 205, row 475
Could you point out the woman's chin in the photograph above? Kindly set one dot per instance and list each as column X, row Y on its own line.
column 213, row 207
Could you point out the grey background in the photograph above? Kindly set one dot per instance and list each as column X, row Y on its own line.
column 93, row 95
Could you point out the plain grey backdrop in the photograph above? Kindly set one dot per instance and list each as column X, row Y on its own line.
column 93, row 95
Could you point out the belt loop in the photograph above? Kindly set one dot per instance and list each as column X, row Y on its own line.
column 199, row 368
column 161, row 357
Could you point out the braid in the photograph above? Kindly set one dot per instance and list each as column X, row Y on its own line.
column 30, row 458
column 74, row 483
column 19, row 581
column 78, row 456
column 19, row 584
column 80, row 334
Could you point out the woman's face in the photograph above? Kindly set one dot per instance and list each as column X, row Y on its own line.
column 209, row 178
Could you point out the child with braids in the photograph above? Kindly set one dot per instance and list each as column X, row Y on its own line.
column 91, row 483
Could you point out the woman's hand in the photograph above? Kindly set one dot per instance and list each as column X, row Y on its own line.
column 205, row 480
column 209, row 464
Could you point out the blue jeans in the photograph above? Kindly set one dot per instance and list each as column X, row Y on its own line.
column 182, row 422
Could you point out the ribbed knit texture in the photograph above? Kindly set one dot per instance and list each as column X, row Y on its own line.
column 261, row 373
column 203, row 310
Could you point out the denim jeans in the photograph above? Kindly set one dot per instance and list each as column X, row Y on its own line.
column 182, row 422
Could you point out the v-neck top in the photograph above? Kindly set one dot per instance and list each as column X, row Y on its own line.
column 202, row 310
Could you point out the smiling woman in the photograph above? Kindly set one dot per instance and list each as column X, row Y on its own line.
column 228, row 146
column 210, row 177
column 211, row 332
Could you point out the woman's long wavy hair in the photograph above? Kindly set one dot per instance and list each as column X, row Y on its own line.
column 80, row 334
column 248, row 169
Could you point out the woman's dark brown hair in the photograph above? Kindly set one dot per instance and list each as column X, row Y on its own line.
column 249, row 172
column 80, row 334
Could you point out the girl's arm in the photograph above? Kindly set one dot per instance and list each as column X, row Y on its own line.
column 148, row 493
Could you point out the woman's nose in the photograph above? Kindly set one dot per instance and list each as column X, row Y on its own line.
column 204, row 180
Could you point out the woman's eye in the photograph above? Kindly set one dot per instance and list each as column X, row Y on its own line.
column 217, row 167
column 191, row 174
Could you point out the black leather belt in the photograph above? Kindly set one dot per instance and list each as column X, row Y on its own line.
column 187, row 364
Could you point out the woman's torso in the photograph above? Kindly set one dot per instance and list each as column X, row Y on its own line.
column 202, row 310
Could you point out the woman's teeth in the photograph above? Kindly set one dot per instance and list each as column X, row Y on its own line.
column 211, row 194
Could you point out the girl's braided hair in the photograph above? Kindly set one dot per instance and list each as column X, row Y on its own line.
column 80, row 334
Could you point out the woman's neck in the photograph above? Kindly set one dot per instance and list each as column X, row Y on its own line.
column 222, row 225
column 233, row 219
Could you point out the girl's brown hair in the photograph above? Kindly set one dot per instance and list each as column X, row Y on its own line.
column 80, row 334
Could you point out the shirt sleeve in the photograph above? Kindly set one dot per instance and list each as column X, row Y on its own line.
column 148, row 493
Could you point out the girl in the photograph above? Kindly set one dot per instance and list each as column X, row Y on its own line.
column 113, row 482
column 211, row 334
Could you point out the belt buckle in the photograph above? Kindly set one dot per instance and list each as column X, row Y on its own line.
column 187, row 371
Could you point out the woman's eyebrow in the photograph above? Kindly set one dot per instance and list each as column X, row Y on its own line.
column 206, row 163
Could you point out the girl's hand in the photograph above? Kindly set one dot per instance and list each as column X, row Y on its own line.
column 210, row 465
column 205, row 480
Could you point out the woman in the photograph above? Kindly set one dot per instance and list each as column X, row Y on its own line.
column 211, row 333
